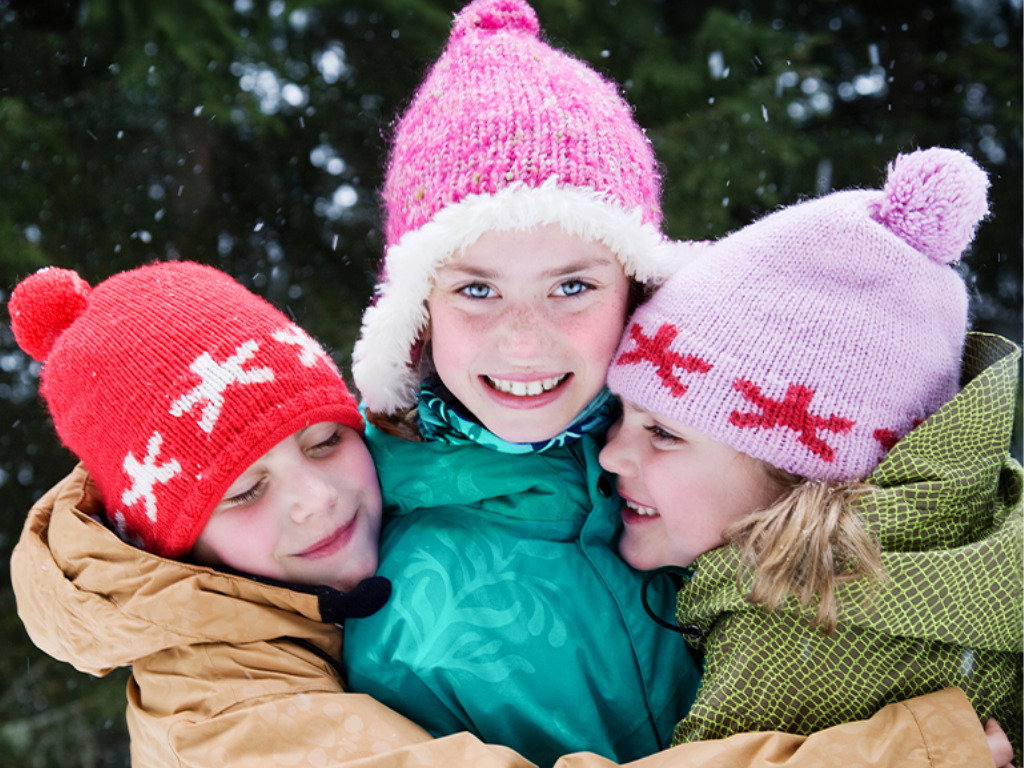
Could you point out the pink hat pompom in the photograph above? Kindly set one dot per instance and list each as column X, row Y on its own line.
column 43, row 306
column 934, row 199
column 495, row 15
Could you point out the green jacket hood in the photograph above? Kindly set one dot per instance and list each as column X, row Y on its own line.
column 534, row 487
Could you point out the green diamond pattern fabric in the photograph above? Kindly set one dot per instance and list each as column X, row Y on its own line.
column 948, row 517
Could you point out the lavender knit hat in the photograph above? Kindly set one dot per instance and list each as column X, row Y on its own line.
column 506, row 133
column 818, row 336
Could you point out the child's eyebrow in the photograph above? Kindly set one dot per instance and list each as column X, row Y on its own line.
column 471, row 271
column 482, row 273
column 580, row 266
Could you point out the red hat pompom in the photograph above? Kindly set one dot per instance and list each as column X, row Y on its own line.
column 43, row 306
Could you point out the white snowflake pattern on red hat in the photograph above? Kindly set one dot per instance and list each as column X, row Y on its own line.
column 216, row 378
column 309, row 351
column 146, row 474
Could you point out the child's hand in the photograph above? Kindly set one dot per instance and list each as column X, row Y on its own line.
column 1002, row 752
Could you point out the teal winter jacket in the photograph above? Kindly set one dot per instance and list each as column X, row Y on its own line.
column 512, row 615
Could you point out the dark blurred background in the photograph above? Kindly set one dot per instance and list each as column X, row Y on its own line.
column 249, row 135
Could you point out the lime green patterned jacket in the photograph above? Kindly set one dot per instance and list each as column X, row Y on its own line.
column 948, row 516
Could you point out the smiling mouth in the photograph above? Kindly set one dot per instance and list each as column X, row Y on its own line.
column 525, row 388
column 641, row 510
column 330, row 543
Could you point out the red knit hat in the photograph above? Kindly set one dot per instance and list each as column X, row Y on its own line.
column 168, row 381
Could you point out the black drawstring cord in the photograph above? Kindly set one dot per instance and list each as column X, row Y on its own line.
column 674, row 571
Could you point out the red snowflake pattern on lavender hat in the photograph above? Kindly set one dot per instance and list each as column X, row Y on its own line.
column 831, row 328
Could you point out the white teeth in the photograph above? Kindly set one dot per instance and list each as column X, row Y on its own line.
column 646, row 511
column 526, row 388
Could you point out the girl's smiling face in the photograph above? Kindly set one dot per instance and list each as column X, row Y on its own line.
column 681, row 488
column 523, row 326
column 307, row 511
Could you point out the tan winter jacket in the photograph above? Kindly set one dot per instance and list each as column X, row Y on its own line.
column 228, row 671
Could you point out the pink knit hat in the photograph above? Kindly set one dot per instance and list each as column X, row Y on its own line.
column 818, row 336
column 168, row 382
column 506, row 133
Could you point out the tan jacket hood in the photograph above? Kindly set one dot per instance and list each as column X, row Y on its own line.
column 101, row 603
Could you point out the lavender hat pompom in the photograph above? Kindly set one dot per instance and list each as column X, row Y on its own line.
column 934, row 199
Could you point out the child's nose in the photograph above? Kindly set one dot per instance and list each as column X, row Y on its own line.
column 526, row 331
column 614, row 457
column 314, row 498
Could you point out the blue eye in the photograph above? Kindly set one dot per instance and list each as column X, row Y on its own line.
column 572, row 288
column 477, row 291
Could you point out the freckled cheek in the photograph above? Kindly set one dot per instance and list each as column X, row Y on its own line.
column 600, row 327
column 594, row 340
column 450, row 329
